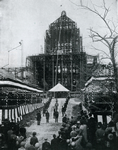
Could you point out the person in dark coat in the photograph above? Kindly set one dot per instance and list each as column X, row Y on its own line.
column 46, row 145
column 54, row 143
column 63, row 111
column 92, row 124
column 44, row 110
column 64, row 119
column 34, row 139
column 47, row 116
column 31, row 147
column 38, row 118
column 56, row 116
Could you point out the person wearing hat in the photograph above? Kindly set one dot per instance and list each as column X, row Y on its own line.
column 78, row 126
column 47, row 115
column 37, row 146
column 22, row 146
column 46, row 145
column 56, row 116
column 34, row 139
column 54, row 143
column 38, row 118
column 73, row 133
column 100, row 135
column 91, row 129
column 30, row 147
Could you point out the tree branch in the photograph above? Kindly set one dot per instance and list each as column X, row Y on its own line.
column 98, row 14
column 101, row 51
column 98, row 38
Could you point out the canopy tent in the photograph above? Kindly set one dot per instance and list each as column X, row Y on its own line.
column 59, row 88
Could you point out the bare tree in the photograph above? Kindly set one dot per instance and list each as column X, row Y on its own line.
column 109, row 39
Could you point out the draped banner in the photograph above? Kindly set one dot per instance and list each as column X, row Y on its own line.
column 26, row 109
column 20, row 113
column 16, row 115
column 108, row 119
column 23, row 109
column 100, row 119
column 6, row 113
column 10, row 115
column 0, row 116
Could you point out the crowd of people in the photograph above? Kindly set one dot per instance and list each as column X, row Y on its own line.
column 82, row 132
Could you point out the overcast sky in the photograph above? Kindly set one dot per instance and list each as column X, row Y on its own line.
column 28, row 20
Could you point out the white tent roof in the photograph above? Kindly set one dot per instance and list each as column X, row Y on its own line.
column 59, row 88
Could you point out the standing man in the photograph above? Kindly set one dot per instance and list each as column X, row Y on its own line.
column 47, row 116
column 56, row 104
column 46, row 145
column 34, row 139
column 56, row 116
column 54, row 143
column 63, row 110
column 38, row 118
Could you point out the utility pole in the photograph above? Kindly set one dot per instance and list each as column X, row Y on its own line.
column 21, row 43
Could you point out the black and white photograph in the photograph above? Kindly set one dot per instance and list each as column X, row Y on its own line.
column 58, row 74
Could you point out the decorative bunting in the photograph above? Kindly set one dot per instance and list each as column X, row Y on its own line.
column 12, row 112
column 10, row 115
column 0, row 116
column 16, row 115
column 26, row 109
column 6, row 113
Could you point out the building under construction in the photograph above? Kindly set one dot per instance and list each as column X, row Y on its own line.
column 63, row 60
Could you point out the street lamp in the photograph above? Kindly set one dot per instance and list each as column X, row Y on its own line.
column 21, row 45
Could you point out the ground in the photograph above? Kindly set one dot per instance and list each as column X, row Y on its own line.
column 46, row 130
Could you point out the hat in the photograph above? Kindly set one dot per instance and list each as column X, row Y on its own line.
column 34, row 133
column 68, row 140
column 73, row 127
column 37, row 145
column 73, row 144
column 110, row 136
column 78, row 122
column 22, row 143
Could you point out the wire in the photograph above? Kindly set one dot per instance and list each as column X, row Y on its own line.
column 14, row 48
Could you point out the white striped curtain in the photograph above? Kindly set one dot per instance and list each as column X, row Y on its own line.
column 26, row 107
column 6, row 113
column 21, row 113
column 16, row 114
column 100, row 119
column 23, row 110
column 0, row 116
column 10, row 115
